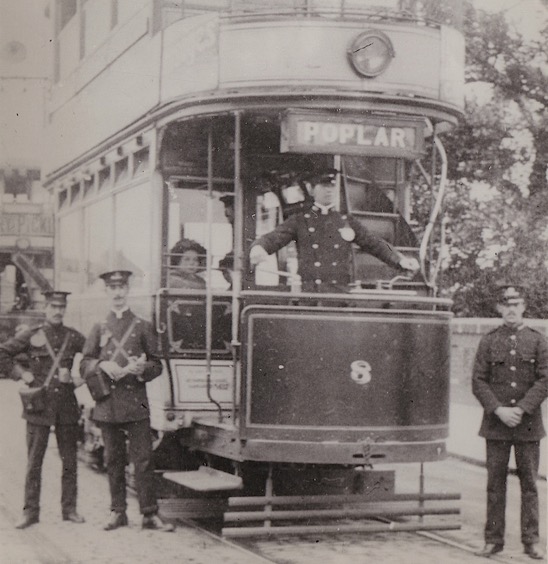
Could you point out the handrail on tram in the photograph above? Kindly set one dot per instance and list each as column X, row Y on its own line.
column 435, row 209
column 447, row 12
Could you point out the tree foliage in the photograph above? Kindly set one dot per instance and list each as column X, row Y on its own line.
column 496, row 207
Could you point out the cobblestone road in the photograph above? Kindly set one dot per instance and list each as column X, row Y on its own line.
column 53, row 541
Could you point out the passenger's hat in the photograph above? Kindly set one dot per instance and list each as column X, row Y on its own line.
column 116, row 277
column 56, row 297
column 227, row 199
column 509, row 293
column 323, row 176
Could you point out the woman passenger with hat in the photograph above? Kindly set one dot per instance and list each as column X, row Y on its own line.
column 189, row 258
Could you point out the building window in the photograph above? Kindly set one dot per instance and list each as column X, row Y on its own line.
column 17, row 184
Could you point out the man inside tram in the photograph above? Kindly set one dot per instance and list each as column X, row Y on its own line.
column 226, row 264
column 324, row 239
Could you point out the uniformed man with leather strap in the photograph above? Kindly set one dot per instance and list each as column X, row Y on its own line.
column 324, row 238
column 510, row 381
column 49, row 350
column 122, row 351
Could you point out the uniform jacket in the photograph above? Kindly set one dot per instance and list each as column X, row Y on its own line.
column 62, row 407
column 325, row 251
column 511, row 369
column 128, row 398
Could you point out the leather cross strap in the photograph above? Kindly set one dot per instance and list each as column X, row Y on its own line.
column 56, row 358
column 119, row 345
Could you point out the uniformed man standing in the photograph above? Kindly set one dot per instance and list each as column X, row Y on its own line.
column 49, row 349
column 120, row 356
column 510, row 381
column 324, row 240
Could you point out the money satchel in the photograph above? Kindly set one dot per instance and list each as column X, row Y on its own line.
column 98, row 382
column 99, row 385
column 34, row 399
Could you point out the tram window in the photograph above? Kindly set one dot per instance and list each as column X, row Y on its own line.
column 74, row 193
column 62, row 198
column 188, row 220
column 268, row 215
column 121, row 170
column 104, row 178
column 141, row 161
column 132, row 245
column 89, row 185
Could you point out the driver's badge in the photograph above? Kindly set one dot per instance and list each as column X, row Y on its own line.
column 347, row 233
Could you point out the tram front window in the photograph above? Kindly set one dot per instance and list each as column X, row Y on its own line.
column 192, row 241
column 190, row 238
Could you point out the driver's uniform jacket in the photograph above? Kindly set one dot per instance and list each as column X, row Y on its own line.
column 511, row 370
column 324, row 243
column 127, row 400
column 61, row 405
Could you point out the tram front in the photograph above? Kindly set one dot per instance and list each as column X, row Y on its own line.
column 268, row 368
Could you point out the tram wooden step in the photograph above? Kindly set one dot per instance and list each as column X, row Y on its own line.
column 205, row 479
column 192, row 508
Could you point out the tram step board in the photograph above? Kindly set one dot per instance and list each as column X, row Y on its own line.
column 192, row 508
column 205, row 479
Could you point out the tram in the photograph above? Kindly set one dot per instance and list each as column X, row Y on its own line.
column 197, row 120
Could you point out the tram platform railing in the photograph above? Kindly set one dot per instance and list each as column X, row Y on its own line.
column 426, row 13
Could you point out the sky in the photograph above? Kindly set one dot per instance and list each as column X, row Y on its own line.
column 528, row 16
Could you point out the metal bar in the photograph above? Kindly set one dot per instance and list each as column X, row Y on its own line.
column 237, row 516
column 237, row 249
column 209, row 294
column 421, row 487
column 363, row 296
column 269, row 490
column 329, row 499
column 321, row 529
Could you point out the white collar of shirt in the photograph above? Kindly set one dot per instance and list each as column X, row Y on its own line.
column 324, row 209
column 119, row 312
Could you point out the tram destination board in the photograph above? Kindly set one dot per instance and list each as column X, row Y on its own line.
column 309, row 132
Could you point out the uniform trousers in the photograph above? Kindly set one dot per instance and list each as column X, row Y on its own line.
column 527, row 455
column 140, row 454
column 37, row 442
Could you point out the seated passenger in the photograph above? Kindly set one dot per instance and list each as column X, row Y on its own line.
column 189, row 258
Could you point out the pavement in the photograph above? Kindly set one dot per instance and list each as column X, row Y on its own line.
column 464, row 442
